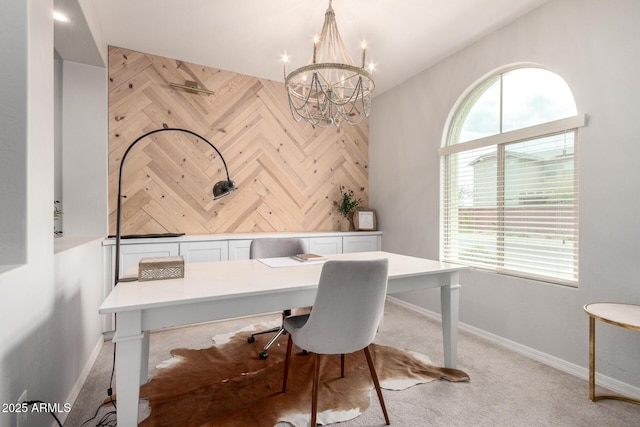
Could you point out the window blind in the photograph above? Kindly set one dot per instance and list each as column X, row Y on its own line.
column 512, row 207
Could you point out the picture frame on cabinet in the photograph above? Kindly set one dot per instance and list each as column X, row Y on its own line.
column 364, row 219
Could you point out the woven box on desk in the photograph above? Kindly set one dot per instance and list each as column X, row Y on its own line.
column 170, row 267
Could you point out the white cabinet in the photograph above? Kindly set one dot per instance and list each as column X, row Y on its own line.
column 205, row 251
column 206, row 248
column 130, row 255
column 364, row 243
column 239, row 249
column 325, row 245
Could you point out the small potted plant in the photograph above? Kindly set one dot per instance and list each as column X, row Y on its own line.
column 346, row 205
column 57, row 213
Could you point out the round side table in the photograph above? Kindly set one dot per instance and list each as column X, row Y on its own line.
column 623, row 315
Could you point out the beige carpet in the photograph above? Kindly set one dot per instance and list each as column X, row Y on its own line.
column 229, row 385
column 507, row 389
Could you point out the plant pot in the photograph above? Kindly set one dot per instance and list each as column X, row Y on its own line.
column 345, row 224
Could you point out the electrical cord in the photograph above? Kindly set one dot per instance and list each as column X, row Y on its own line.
column 109, row 419
column 31, row 402
column 101, row 422
column 113, row 368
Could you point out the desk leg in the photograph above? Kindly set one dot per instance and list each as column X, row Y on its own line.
column 449, row 297
column 592, row 359
column 144, row 358
column 130, row 342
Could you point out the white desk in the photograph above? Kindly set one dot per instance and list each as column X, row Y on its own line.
column 221, row 290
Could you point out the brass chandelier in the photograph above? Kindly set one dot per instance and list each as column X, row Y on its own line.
column 328, row 93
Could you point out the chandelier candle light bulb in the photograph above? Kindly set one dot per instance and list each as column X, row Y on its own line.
column 285, row 59
column 316, row 39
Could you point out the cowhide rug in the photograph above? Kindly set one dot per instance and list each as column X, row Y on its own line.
column 228, row 385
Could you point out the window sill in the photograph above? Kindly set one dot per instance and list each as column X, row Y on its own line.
column 61, row 244
column 6, row 268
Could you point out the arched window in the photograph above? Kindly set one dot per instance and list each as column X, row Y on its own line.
column 510, row 177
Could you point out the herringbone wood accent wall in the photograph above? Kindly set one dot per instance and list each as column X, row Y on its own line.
column 287, row 173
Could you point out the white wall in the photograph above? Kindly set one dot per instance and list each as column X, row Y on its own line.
column 13, row 154
column 84, row 150
column 593, row 45
column 57, row 126
column 49, row 327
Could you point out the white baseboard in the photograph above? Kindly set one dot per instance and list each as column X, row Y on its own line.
column 612, row 384
column 77, row 387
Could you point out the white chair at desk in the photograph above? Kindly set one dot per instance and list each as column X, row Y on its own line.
column 345, row 317
column 274, row 248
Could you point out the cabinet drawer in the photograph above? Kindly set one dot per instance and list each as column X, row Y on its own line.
column 325, row 245
column 360, row 244
column 239, row 249
column 204, row 251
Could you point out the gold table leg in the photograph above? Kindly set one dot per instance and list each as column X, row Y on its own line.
column 592, row 359
column 592, row 369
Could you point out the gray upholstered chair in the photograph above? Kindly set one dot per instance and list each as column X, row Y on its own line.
column 274, row 248
column 345, row 316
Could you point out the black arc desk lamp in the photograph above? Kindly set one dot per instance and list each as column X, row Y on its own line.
column 220, row 189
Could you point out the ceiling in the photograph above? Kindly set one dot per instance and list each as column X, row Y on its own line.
column 249, row 36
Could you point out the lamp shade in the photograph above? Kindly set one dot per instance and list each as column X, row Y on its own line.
column 223, row 188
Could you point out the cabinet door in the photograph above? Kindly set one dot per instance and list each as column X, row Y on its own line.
column 360, row 244
column 130, row 255
column 205, row 251
column 239, row 249
column 325, row 245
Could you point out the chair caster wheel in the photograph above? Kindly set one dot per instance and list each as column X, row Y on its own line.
column 264, row 355
column 251, row 339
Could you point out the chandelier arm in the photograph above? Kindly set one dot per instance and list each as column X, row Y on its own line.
column 344, row 113
column 296, row 111
column 325, row 112
column 358, row 92
column 317, row 87
column 321, row 105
